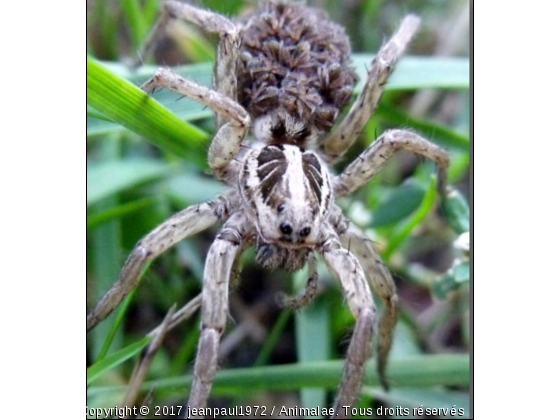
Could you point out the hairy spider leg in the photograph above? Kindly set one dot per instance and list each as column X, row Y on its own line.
column 370, row 162
column 227, row 141
column 347, row 269
column 345, row 134
column 217, row 274
column 189, row 222
column 232, row 121
column 225, row 71
column 383, row 285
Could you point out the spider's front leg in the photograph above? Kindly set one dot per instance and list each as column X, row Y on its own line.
column 227, row 141
column 340, row 140
column 346, row 267
column 217, row 275
column 370, row 162
column 184, row 224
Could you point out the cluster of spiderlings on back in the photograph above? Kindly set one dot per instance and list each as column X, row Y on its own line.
column 294, row 59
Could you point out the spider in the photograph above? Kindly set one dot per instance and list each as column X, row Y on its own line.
column 281, row 77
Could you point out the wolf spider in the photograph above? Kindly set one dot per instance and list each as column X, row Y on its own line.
column 284, row 72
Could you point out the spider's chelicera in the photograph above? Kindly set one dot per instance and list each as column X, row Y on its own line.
column 282, row 75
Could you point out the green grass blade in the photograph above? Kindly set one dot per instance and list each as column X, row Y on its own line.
column 104, row 13
column 151, row 10
column 136, row 22
column 420, row 371
column 116, row 325
column 107, row 179
column 127, row 105
column 414, row 73
column 186, row 109
column 114, row 360
column 273, row 338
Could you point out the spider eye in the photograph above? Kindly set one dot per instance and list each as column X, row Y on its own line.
column 305, row 232
column 286, row 229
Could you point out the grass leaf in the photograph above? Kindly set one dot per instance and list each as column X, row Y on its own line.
column 413, row 73
column 132, row 108
column 137, row 24
column 421, row 371
column 119, row 318
column 110, row 362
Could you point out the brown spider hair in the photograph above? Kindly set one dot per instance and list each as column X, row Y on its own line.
column 295, row 61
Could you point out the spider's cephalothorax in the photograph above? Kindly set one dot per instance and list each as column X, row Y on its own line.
column 287, row 191
column 295, row 72
column 284, row 71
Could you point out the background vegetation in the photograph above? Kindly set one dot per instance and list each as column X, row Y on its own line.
column 146, row 160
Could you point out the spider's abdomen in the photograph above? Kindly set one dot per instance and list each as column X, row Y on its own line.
column 295, row 61
column 287, row 191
